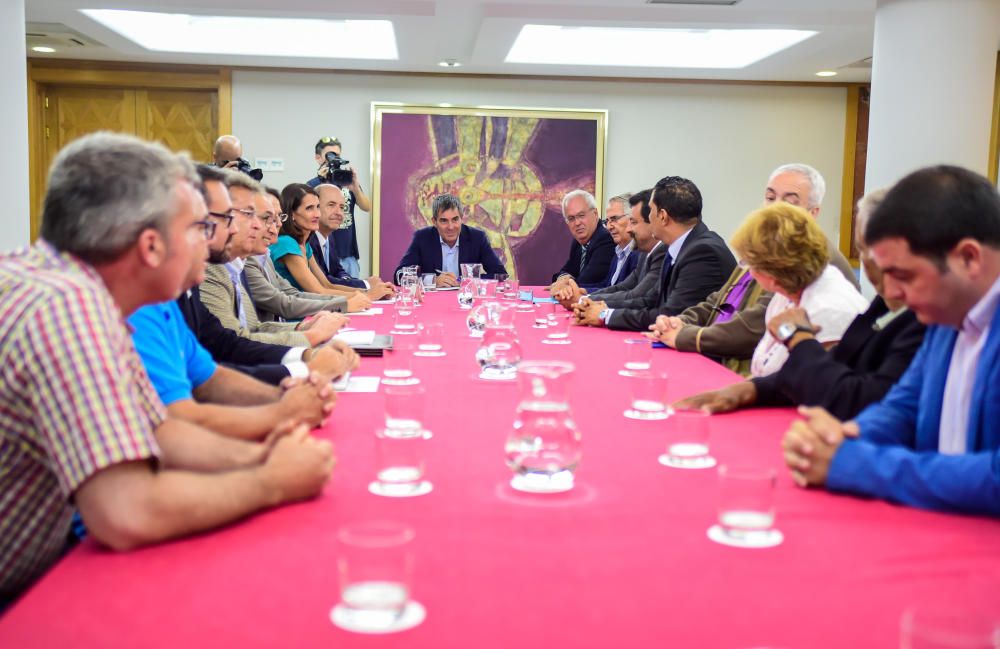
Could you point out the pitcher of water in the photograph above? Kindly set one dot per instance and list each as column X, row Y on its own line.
column 500, row 350
column 544, row 447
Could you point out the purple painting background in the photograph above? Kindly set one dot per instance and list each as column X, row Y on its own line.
column 562, row 154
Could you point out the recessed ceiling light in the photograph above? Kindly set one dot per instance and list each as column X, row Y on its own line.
column 826, row 73
column 650, row 47
column 43, row 49
column 449, row 63
column 306, row 37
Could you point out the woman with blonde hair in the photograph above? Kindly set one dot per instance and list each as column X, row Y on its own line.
column 787, row 254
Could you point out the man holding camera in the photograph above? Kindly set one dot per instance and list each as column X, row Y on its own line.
column 228, row 153
column 334, row 170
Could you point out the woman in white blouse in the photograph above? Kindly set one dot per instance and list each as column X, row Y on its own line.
column 787, row 254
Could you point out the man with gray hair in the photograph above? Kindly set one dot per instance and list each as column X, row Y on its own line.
column 442, row 247
column 801, row 185
column 593, row 250
column 82, row 427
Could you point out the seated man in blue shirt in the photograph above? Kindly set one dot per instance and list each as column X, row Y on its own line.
column 934, row 440
column 442, row 247
column 194, row 388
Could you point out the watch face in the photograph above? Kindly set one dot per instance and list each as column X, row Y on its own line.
column 785, row 331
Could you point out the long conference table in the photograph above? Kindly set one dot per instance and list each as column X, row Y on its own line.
column 622, row 560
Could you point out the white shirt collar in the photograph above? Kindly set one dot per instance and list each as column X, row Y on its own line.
column 236, row 264
column 446, row 245
column 674, row 249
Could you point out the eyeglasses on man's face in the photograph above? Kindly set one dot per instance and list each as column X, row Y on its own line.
column 225, row 216
column 579, row 216
column 270, row 218
column 206, row 227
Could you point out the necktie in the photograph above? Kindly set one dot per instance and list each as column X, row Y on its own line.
column 240, row 311
column 583, row 257
column 665, row 275
column 326, row 253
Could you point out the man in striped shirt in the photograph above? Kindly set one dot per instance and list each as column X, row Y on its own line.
column 80, row 425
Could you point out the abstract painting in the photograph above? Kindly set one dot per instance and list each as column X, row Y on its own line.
column 509, row 167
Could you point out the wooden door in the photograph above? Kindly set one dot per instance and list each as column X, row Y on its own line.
column 183, row 120
column 71, row 112
column 186, row 111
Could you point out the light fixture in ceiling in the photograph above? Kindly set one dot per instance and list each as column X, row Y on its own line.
column 44, row 49
column 450, row 63
column 297, row 37
column 650, row 47
column 826, row 73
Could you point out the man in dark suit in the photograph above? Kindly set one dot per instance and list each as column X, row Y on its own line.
column 448, row 243
column 639, row 287
column 593, row 250
column 697, row 261
column 332, row 208
column 626, row 258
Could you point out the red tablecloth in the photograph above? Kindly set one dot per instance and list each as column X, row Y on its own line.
column 623, row 561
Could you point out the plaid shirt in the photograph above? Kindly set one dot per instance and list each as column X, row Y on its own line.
column 74, row 399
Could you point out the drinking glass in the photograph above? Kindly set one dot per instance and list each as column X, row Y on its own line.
column 467, row 292
column 428, row 281
column 398, row 363
column 746, row 508
column 400, row 464
column 404, row 408
column 500, row 350
column 649, row 396
column 948, row 628
column 430, row 340
column 405, row 322
column 375, row 571
column 687, row 445
column 558, row 328
column 638, row 355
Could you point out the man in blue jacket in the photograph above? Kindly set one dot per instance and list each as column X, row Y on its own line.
column 448, row 243
column 934, row 440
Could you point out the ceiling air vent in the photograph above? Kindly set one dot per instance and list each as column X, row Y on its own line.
column 727, row 3
column 57, row 36
column 864, row 64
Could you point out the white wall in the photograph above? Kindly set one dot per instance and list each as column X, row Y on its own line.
column 726, row 138
column 16, row 230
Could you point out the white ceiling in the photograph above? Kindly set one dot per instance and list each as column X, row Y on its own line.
column 479, row 33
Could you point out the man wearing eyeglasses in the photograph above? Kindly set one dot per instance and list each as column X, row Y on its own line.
column 593, row 251
column 83, row 429
column 267, row 362
column 274, row 297
column 226, row 292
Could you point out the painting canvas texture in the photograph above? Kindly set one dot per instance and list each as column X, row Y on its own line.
column 509, row 171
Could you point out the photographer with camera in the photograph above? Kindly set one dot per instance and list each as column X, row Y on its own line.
column 335, row 170
column 228, row 153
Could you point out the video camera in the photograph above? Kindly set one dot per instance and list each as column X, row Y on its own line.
column 244, row 167
column 336, row 175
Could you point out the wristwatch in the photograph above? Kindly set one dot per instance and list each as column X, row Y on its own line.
column 787, row 329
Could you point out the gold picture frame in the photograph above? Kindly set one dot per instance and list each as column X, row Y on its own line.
column 509, row 166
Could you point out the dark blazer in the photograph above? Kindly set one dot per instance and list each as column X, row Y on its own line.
column 260, row 360
column 334, row 272
column 703, row 264
column 629, row 265
column 600, row 256
column 639, row 289
column 858, row 371
column 473, row 248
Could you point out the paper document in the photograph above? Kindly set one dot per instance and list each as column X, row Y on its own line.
column 356, row 337
column 375, row 310
column 362, row 384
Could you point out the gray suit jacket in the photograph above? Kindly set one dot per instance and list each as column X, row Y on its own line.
column 274, row 296
column 640, row 288
column 219, row 298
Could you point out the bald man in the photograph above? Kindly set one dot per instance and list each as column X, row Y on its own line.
column 227, row 151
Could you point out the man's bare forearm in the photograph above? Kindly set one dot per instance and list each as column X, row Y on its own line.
column 232, row 387
column 185, row 445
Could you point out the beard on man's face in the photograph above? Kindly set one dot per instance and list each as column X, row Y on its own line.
column 221, row 256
